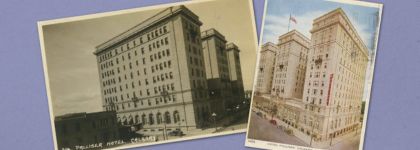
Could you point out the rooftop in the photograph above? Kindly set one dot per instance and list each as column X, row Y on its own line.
column 162, row 15
column 269, row 46
column 232, row 46
column 212, row 32
column 297, row 33
column 341, row 12
column 82, row 115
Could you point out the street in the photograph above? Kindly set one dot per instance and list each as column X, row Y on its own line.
column 261, row 129
column 348, row 144
column 235, row 121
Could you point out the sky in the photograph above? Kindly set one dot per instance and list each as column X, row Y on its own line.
column 72, row 68
column 364, row 19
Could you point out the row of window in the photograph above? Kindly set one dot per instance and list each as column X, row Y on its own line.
column 110, row 63
column 192, row 32
column 166, row 118
column 336, row 123
column 165, row 64
column 161, row 77
column 150, row 36
column 135, row 103
column 158, row 55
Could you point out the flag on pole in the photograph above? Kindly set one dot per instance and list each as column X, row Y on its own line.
column 293, row 19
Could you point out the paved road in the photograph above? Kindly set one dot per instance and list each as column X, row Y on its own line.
column 348, row 144
column 261, row 129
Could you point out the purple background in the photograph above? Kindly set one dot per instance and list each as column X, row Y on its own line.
column 394, row 114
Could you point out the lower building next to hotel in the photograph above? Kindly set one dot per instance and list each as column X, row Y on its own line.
column 86, row 129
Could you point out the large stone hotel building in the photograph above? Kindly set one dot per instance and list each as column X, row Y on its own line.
column 223, row 70
column 328, row 103
column 335, row 77
column 217, row 72
column 266, row 68
column 235, row 73
column 155, row 73
column 290, row 65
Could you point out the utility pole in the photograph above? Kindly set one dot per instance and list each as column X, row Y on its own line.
column 164, row 95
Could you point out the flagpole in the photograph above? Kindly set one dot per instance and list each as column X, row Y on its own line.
column 288, row 26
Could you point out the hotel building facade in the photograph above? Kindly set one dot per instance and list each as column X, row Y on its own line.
column 154, row 73
column 266, row 68
column 223, row 71
column 235, row 73
column 335, row 78
column 318, row 83
column 83, row 129
column 217, row 71
column 289, row 76
column 290, row 66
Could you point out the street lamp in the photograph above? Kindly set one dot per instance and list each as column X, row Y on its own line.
column 164, row 95
column 214, row 120
column 164, row 129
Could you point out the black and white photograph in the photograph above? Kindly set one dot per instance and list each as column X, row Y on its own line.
column 150, row 75
column 314, row 74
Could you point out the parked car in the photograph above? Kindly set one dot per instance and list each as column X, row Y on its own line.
column 274, row 122
column 176, row 132
column 259, row 114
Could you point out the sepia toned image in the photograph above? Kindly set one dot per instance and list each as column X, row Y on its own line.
column 149, row 75
column 314, row 75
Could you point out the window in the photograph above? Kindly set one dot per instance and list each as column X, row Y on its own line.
column 174, row 98
column 164, row 29
column 151, row 119
column 158, row 118
column 143, row 119
column 166, row 41
column 167, row 118
column 176, row 116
